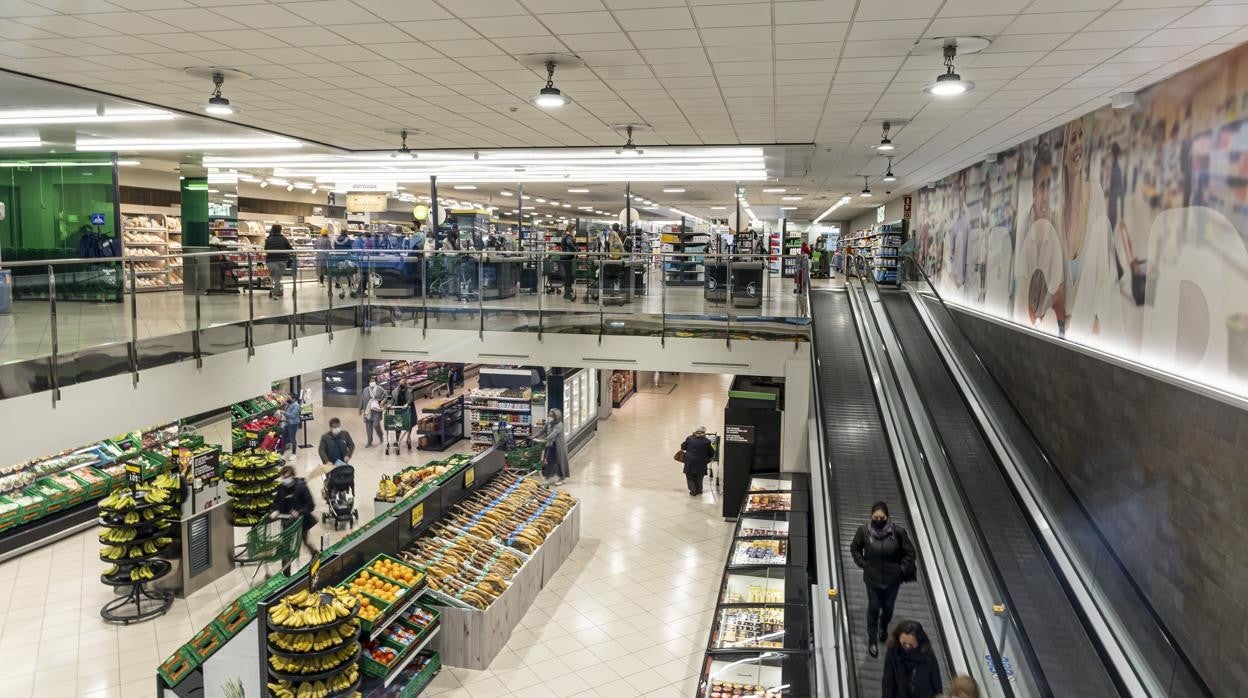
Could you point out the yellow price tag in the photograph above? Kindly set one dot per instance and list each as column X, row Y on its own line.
column 470, row 476
column 418, row 514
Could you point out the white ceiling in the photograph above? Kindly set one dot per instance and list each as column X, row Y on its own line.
column 699, row 71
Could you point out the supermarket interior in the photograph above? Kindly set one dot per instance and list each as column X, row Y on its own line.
column 711, row 348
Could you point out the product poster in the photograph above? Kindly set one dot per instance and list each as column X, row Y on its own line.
column 1125, row 230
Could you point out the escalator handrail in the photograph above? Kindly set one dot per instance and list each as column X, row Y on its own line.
column 1161, row 627
column 994, row 571
column 832, row 526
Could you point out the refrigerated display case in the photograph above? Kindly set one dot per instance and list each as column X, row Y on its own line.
column 755, row 675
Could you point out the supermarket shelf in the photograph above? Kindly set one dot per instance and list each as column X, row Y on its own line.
column 411, row 654
column 378, row 628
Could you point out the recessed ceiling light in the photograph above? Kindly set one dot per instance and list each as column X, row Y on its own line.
column 21, row 142
column 216, row 104
column 578, row 191
column 674, row 190
column 719, row 208
column 465, row 187
column 549, row 97
column 506, row 193
column 949, row 84
column 791, row 198
column 585, row 208
column 774, row 190
column 567, row 205
column 786, row 208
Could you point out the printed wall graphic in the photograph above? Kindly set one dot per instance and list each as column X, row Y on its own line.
column 1125, row 230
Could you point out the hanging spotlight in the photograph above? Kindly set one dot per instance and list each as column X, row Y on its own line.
column 216, row 104
column 404, row 152
column 886, row 143
column 549, row 97
column 866, row 188
column 629, row 149
column 949, row 84
column 889, row 176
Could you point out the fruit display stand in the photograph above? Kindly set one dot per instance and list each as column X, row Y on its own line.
column 415, row 480
column 251, row 477
column 135, row 530
column 312, row 644
column 442, row 425
column 760, row 636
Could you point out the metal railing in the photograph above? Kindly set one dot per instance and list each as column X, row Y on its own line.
column 66, row 309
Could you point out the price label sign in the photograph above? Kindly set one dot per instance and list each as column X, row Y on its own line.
column 470, row 476
column 418, row 515
column 134, row 473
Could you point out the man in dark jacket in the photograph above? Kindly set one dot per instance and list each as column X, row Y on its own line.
column 567, row 246
column 698, row 452
column 336, row 444
column 884, row 552
column 277, row 255
column 293, row 500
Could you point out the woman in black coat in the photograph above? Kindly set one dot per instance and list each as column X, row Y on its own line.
column 911, row 669
column 293, row 500
column 698, row 452
column 884, row 552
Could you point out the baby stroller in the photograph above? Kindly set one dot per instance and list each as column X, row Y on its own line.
column 339, row 494
column 343, row 274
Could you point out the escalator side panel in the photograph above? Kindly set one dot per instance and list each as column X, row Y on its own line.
column 862, row 471
column 1067, row 656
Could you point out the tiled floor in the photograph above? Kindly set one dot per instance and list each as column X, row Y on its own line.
column 628, row 614
column 26, row 333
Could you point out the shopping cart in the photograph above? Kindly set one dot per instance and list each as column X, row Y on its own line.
column 526, row 458
column 343, row 275
column 397, row 419
column 271, row 540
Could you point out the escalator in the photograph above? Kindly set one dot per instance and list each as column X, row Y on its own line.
column 861, row 471
column 1056, row 631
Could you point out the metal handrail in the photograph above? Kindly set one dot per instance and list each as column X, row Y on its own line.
column 1161, row 627
column 998, row 580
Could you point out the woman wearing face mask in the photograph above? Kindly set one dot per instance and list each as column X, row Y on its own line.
column 292, row 501
column 910, row 666
column 884, row 552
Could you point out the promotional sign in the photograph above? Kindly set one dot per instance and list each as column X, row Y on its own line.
column 98, row 218
column 420, row 212
column 905, row 202
column 879, row 214
column 739, row 434
column 366, row 203
column 418, row 515
column 134, row 473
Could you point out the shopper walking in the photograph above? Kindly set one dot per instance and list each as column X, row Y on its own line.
column 372, row 407
column 323, row 242
column 336, row 445
column 293, row 502
column 698, row 452
column 884, row 552
column 615, row 243
column 567, row 246
column 555, row 456
column 911, row 669
column 277, row 255
column 404, row 396
column 292, row 417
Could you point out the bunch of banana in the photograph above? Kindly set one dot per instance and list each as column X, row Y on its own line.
column 118, row 501
column 302, row 609
column 312, row 665
column 141, row 573
column 111, row 570
column 123, row 534
column 314, row 642
column 113, row 552
column 132, row 517
column 316, row 689
column 156, row 495
column 166, row 481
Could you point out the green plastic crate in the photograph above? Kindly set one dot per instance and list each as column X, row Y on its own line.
column 55, row 497
column 97, row 487
column 233, row 619
column 206, row 642
column 178, row 666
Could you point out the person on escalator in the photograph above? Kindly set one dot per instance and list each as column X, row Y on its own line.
column 884, row 552
column 910, row 666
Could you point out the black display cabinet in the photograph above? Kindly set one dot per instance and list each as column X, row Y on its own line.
column 751, row 438
column 340, row 386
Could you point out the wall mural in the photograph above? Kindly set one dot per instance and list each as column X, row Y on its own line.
column 1125, row 230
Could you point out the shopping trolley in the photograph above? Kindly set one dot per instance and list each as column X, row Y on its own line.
column 526, row 458
column 271, row 540
column 397, row 420
column 343, row 276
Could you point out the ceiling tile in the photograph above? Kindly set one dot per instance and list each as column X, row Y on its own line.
column 1078, row 57
column 1069, row 5
column 811, row 33
column 21, row 8
column 562, row 5
column 747, row 15
column 404, row 10
column 994, row 60
column 792, row 51
column 1046, row 23
column 669, row 18
column 1094, row 40
column 245, row 39
column 900, row 29
column 911, row 9
column 1187, row 36
column 746, row 52
column 675, row 55
column 373, row 32
column 609, row 41
column 261, row 16
column 1029, row 42
column 524, row 25
column 662, row 38
column 978, row 8
column 814, row 11
column 579, row 22
column 66, row 26
column 484, row 8
column 519, row 45
column 1214, row 16
column 310, row 36
column 988, row 25
column 330, row 12
column 1135, row 19
column 886, row 47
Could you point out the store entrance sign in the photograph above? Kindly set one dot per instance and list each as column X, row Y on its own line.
column 367, row 203
column 98, row 218
column 369, row 186
column 739, row 433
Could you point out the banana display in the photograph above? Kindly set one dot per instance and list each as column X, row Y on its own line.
column 473, row 553
column 304, row 610
column 136, row 525
column 314, row 665
column 334, row 685
column 318, row 641
column 251, row 481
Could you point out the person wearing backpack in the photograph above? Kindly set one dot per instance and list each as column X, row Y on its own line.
column 372, row 406
column 882, row 549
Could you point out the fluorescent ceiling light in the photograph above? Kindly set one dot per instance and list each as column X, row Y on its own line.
column 304, row 185
column 465, row 187
column 40, row 117
column 540, row 200
column 567, row 205
column 506, row 193
column 787, row 208
column 578, row 191
column 774, row 190
column 719, row 208
column 22, row 142
column 129, row 163
column 191, row 144
column 585, row 208
column 552, row 202
column 840, row 202
column 674, row 190
column 791, row 198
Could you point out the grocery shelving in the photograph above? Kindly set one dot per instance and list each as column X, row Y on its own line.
column 441, row 425
column 623, row 386
column 155, row 232
column 682, row 240
column 886, row 242
column 488, row 407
